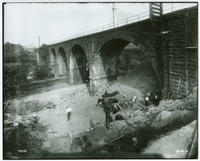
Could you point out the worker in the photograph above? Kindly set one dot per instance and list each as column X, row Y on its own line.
column 147, row 99
column 155, row 97
column 134, row 99
column 68, row 112
column 107, row 107
column 107, row 110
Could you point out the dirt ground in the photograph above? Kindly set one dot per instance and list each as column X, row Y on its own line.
column 60, row 131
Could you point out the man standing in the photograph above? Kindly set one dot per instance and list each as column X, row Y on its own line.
column 156, row 97
column 68, row 112
column 147, row 99
column 107, row 107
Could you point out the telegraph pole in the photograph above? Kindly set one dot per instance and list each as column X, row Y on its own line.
column 39, row 41
column 113, row 11
column 38, row 49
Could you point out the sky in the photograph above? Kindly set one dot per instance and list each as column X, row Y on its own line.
column 24, row 23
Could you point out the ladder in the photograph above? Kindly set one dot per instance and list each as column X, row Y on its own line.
column 156, row 15
column 156, row 18
column 156, row 11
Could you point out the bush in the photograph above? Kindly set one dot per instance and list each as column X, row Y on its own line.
column 14, row 76
column 43, row 72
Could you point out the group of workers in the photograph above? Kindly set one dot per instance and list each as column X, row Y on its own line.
column 110, row 104
column 152, row 98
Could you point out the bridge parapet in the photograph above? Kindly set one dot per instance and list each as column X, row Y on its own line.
column 126, row 21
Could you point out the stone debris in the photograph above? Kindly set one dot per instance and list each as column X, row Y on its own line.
column 134, row 117
column 24, row 135
column 138, row 117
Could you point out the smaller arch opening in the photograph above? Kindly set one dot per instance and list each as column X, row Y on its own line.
column 53, row 57
column 80, row 65
column 62, row 62
column 53, row 62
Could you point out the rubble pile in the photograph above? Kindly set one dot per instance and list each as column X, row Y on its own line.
column 23, row 135
column 140, row 121
column 142, row 78
column 137, row 82
column 126, row 92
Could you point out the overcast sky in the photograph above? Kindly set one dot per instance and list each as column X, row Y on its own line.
column 52, row 22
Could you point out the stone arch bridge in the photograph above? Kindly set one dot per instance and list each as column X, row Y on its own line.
column 91, row 58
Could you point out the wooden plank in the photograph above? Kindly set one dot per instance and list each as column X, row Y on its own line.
column 156, row 4
column 155, row 8
column 156, row 13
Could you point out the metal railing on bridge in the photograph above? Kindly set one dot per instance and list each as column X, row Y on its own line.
column 135, row 18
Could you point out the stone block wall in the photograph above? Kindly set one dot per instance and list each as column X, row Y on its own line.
column 182, row 55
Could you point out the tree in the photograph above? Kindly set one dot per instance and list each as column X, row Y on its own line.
column 18, row 62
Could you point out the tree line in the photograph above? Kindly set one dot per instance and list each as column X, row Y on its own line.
column 20, row 67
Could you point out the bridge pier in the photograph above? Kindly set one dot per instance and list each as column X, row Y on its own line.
column 97, row 76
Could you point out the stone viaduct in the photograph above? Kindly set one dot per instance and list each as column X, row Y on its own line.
column 92, row 58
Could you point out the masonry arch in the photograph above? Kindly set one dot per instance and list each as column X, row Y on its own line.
column 110, row 53
column 62, row 62
column 80, row 65
column 53, row 61
column 117, row 36
column 118, row 56
column 143, row 40
column 53, row 57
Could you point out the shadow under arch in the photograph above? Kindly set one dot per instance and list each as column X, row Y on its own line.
column 114, row 51
column 62, row 62
column 53, row 62
column 80, row 65
column 110, row 53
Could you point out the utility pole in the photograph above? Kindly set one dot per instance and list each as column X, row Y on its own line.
column 38, row 50
column 39, row 41
column 113, row 11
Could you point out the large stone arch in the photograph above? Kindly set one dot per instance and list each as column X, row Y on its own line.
column 110, row 63
column 79, row 64
column 62, row 61
column 144, row 40
column 110, row 53
column 110, row 37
